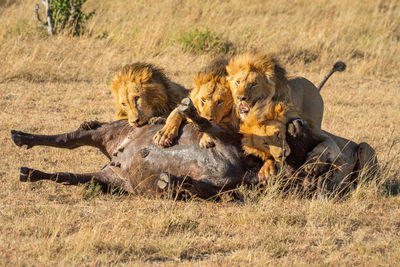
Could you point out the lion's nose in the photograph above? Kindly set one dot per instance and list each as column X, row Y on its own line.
column 241, row 98
column 135, row 121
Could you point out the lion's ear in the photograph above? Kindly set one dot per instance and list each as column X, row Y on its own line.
column 145, row 75
column 229, row 67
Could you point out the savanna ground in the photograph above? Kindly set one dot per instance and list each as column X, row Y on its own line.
column 52, row 84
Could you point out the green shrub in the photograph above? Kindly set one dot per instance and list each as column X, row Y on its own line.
column 91, row 191
column 67, row 16
column 198, row 41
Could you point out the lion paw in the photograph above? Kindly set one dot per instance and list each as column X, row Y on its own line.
column 206, row 142
column 267, row 171
column 165, row 137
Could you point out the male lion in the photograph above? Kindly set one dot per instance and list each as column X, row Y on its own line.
column 264, row 135
column 254, row 77
column 142, row 92
column 211, row 97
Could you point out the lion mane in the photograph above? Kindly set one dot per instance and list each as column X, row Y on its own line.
column 211, row 97
column 158, row 95
column 255, row 76
column 264, row 64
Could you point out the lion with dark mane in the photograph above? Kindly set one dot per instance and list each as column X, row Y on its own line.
column 255, row 77
column 143, row 92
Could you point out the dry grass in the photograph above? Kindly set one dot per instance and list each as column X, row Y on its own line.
column 50, row 85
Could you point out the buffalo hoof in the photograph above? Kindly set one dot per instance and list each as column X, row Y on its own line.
column 115, row 164
column 296, row 127
column 19, row 138
column 163, row 181
column 90, row 125
column 186, row 107
column 24, row 173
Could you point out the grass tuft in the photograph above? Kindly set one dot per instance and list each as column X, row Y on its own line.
column 203, row 41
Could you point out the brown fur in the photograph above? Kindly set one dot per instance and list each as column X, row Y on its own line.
column 145, row 91
column 211, row 97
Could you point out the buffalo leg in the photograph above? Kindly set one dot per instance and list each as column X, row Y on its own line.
column 88, row 134
column 106, row 178
column 71, row 140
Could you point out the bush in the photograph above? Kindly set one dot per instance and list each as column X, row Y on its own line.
column 65, row 16
column 198, row 41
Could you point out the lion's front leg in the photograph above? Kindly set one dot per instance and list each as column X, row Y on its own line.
column 166, row 136
column 267, row 171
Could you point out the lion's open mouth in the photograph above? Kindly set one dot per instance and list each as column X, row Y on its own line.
column 243, row 107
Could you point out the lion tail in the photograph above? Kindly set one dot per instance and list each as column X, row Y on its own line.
column 338, row 66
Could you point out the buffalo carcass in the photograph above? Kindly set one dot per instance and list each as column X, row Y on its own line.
column 138, row 166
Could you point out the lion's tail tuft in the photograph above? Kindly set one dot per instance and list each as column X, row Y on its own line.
column 338, row 66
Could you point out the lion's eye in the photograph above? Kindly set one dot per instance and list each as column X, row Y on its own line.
column 237, row 82
column 123, row 104
column 203, row 100
column 136, row 98
column 220, row 102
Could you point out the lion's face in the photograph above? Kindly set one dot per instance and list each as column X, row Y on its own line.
column 135, row 100
column 213, row 101
column 269, row 138
column 248, row 87
column 140, row 92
